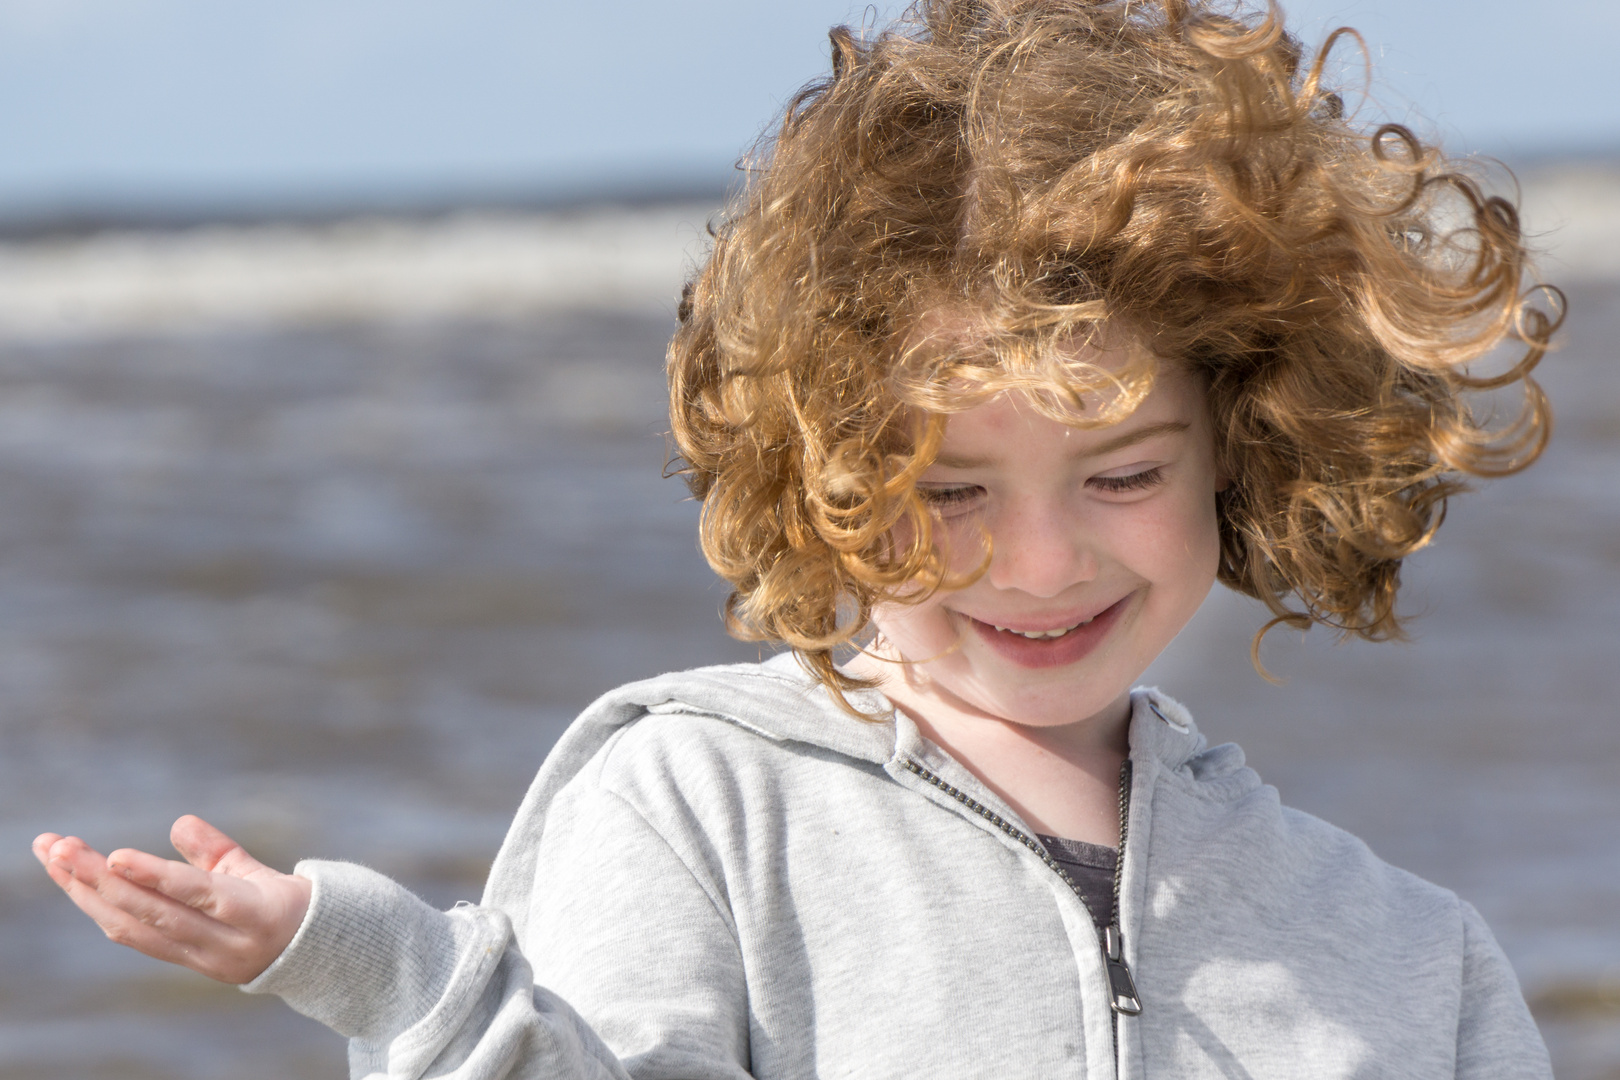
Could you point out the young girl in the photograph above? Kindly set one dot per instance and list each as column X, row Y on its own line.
column 1042, row 316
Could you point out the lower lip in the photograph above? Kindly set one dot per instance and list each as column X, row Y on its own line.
column 1049, row 652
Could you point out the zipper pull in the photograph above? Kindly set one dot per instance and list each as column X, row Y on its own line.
column 1121, row 986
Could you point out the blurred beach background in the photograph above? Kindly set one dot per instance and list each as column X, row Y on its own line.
column 331, row 442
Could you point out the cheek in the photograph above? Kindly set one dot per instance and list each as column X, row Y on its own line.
column 1176, row 542
column 962, row 541
column 915, row 630
column 1193, row 545
column 965, row 543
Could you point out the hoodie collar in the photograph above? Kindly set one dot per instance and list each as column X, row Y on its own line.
column 781, row 701
column 1162, row 729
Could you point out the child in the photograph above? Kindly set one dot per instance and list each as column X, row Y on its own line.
column 1042, row 316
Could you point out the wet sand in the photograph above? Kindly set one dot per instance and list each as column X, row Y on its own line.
column 339, row 587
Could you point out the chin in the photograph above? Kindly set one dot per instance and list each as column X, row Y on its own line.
column 1048, row 706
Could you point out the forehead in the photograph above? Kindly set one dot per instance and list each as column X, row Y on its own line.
column 1176, row 402
column 1086, row 332
column 953, row 357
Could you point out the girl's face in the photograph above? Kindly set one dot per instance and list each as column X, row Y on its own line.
column 1104, row 543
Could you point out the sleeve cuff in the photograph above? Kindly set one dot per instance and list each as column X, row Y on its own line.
column 370, row 957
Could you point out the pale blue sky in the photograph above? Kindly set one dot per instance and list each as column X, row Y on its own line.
column 125, row 101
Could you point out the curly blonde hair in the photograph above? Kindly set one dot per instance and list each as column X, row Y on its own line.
column 1031, row 168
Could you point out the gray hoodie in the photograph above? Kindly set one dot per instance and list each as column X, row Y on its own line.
column 718, row 873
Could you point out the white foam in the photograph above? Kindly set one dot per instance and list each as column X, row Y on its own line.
column 475, row 265
column 503, row 265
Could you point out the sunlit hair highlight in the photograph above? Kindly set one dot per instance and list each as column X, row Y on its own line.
column 983, row 185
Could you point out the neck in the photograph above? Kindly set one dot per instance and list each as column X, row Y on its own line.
column 1061, row 777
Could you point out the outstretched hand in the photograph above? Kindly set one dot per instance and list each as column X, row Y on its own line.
column 226, row 914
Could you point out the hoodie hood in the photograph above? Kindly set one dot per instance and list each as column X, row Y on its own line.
column 780, row 701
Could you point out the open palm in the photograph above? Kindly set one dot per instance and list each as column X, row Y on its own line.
column 221, row 912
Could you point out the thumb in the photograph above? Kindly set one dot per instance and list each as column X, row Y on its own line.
column 206, row 848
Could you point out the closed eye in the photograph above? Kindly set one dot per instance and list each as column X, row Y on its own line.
column 1147, row 478
column 946, row 498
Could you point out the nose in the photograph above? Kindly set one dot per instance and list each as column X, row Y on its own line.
column 1040, row 547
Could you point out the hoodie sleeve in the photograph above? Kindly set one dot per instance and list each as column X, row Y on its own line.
column 616, row 918
column 1496, row 1037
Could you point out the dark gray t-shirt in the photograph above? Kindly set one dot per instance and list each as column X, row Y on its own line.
column 1091, row 867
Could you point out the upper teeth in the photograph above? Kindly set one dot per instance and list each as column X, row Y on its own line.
column 1041, row 633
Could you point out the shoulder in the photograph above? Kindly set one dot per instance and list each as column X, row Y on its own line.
column 693, row 749
column 750, row 708
column 722, row 743
column 774, row 702
column 1252, row 909
column 1214, row 817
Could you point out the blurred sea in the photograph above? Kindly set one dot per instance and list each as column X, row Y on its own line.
column 325, row 532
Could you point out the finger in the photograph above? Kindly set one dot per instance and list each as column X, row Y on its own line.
column 86, row 874
column 250, row 906
column 104, row 895
column 142, row 918
column 75, row 858
column 159, row 926
column 95, row 882
column 86, row 869
column 231, row 933
column 206, row 848
column 177, row 880
column 41, row 847
column 152, row 924
column 239, row 904
column 59, row 853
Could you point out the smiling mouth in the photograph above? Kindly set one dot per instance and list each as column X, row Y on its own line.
column 1049, row 648
column 1039, row 635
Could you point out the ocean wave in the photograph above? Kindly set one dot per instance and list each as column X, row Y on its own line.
column 463, row 266
column 502, row 266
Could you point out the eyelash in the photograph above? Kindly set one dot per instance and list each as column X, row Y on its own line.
column 945, row 498
column 1135, row 482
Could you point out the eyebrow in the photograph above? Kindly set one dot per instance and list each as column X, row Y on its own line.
column 1118, row 442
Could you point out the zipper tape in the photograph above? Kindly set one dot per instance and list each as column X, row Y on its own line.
column 1122, row 995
